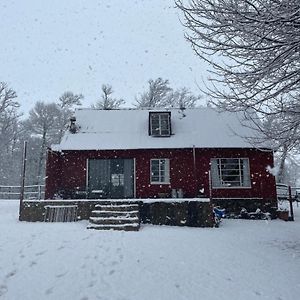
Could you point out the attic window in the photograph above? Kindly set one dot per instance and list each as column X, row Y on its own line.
column 160, row 123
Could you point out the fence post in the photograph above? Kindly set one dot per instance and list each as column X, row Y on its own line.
column 291, row 204
column 24, row 158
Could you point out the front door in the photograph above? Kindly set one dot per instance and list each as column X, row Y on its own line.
column 111, row 178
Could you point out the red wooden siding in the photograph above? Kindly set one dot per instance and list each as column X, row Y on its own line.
column 67, row 170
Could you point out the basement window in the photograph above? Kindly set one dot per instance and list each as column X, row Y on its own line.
column 160, row 171
column 160, row 124
column 230, row 173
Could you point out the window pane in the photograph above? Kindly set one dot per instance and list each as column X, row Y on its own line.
column 230, row 172
column 160, row 170
column 160, row 124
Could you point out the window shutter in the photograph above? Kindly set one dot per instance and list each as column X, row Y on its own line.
column 167, row 170
column 246, row 172
column 215, row 178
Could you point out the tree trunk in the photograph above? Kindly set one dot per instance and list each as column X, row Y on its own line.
column 41, row 157
column 280, row 176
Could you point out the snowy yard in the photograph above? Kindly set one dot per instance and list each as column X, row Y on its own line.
column 240, row 260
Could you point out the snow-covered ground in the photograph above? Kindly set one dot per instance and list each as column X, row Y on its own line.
column 240, row 260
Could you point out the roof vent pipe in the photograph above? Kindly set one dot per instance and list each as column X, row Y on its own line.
column 73, row 127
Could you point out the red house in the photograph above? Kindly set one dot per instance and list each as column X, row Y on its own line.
column 163, row 153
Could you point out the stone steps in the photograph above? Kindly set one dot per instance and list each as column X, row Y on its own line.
column 115, row 216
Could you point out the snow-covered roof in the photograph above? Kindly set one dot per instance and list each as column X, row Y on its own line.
column 128, row 129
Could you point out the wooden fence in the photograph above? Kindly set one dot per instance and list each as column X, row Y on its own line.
column 31, row 192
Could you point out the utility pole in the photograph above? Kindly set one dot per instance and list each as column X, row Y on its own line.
column 24, row 158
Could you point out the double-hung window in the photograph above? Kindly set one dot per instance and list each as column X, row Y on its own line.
column 230, row 172
column 160, row 124
column 160, row 171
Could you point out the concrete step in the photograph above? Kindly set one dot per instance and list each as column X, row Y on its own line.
column 116, row 202
column 123, row 207
column 113, row 220
column 125, row 227
column 110, row 213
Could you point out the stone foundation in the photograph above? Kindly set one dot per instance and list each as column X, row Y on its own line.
column 183, row 213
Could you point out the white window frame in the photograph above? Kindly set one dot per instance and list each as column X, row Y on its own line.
column 160, row 114
column 245, row 178
column 165, row 171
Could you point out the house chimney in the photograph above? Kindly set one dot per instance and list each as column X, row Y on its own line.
column 73, row 127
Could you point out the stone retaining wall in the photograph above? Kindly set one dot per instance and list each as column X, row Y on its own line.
column 185, row 213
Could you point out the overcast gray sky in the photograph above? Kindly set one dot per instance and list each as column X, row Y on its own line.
column 48, row 47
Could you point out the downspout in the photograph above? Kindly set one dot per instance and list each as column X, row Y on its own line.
column 209, row 185
column 195, row 170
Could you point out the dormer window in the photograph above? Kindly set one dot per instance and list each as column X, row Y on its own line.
column 160, row 124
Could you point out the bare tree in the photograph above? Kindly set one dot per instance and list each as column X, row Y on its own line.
column 43, row 124
column 259, row 41
column 182, row 98
column 156, row 95
column 66, row 102
column 107, row 101
column 160, row 94
column 8, row 114
column 7, row 97
column 9, row 135
column 69, row 99
column 284, row 142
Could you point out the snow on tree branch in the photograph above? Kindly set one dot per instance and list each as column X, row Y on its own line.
column 259, row 41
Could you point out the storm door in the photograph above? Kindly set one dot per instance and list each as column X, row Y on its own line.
column 111, row 178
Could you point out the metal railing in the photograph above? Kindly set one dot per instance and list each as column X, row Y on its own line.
column 31, row 192
column 283, row 192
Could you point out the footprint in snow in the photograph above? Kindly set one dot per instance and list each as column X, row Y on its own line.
column 91, row 284
column 111, row 272
column 49, row 291
column 61, row 275
column 40, row 253
column 257, row 293
column 3, row 289
column 11, row 274
column 61, row 247
column 29, row 245
column 33, row 263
